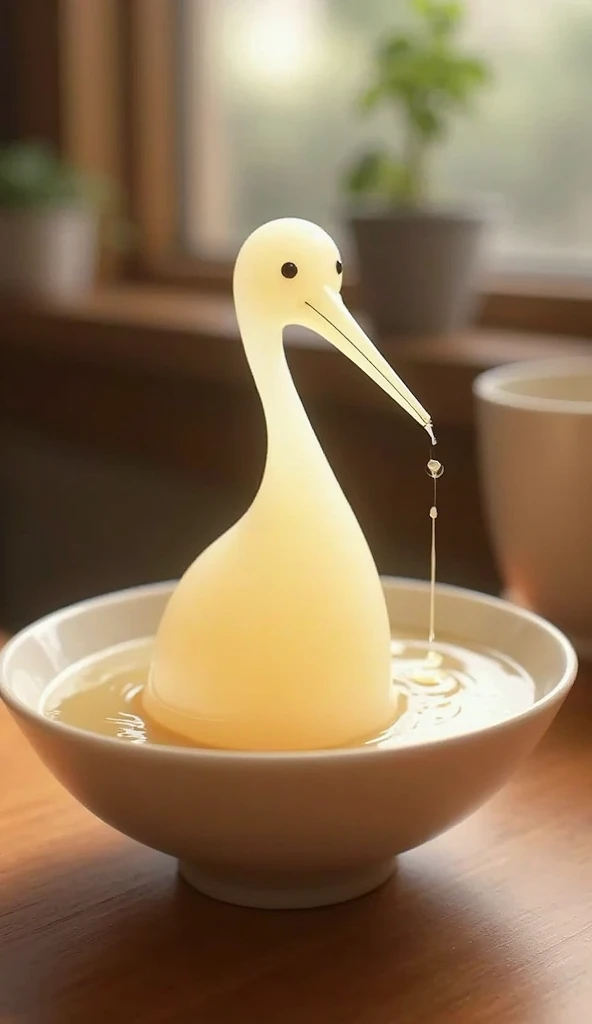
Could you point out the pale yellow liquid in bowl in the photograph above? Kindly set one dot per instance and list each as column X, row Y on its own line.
column 443, row 689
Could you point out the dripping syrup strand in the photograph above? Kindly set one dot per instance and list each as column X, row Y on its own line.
column 433, row 517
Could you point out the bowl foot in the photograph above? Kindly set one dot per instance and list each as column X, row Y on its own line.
column 286, row 890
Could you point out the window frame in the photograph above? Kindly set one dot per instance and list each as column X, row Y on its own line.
column 122, row 120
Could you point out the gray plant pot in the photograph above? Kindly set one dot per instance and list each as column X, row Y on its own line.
column 419, row 269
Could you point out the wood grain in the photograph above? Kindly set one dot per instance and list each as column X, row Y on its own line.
column 152, row 135
column 194, row 337
column 39, row 81
column 490, row 924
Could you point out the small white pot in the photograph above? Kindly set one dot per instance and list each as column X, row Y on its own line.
column 48, row 253
column 535, row 439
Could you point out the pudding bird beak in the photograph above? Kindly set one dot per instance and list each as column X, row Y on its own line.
column 329, row 317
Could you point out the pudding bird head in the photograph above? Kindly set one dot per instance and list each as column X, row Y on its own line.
column 290, row 271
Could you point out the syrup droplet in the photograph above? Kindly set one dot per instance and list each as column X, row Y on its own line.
column 434, row 468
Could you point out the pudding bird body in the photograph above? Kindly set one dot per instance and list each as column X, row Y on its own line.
column 277, row 636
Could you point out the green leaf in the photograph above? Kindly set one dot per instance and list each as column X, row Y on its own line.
column 442, row 17
column 369, row 175
column 372, row 97
column 379, row 176
column 396, row 48
column 32, row 175
column 428, row 122
column 403, row 186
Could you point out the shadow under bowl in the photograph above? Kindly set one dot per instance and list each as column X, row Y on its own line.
column 288, row 829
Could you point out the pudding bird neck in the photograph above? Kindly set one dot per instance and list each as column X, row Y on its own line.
column 294, row 455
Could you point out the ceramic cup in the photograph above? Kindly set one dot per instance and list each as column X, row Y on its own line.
column 291, row 829
column 535, row 440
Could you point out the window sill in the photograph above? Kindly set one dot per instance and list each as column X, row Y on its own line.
column 147, row 331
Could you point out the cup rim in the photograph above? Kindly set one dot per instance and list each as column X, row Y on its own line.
column 285, row 758
column 492, row 386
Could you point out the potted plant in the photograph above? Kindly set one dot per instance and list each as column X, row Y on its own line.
column 417, row 261
column 49, row 212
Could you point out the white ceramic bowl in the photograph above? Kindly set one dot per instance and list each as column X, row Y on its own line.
column 284, row 830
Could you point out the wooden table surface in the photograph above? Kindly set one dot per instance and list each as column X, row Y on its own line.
column 490, row 923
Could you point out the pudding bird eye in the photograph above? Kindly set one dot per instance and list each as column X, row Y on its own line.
column 289, row 269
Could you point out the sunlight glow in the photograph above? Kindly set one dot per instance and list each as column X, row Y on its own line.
column 278, row 41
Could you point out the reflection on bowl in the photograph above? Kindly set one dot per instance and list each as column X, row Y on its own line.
column 285, row 830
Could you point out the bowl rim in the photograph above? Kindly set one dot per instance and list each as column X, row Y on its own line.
column 286, row 758
column 491, row 386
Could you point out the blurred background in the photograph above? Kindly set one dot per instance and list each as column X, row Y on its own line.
column 130, row 432
column 272, row 87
